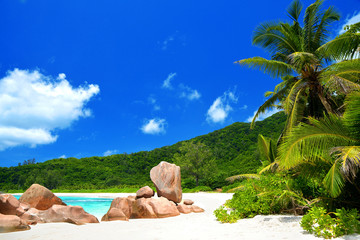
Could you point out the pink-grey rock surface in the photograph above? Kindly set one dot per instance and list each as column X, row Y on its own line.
column 167, row 180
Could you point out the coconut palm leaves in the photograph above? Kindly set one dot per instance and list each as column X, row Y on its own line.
column 332, row 139
column 300, row 56
column 345, row 46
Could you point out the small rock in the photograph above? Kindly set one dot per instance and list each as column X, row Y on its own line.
column 188, row 202
column 145, row 192
column 196, row 209
column 184, row 208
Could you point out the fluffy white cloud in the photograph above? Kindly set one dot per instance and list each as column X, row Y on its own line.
column 349, row 21
column 63, row 156
column 219, row 110
column 189, row 93
column 266, row 114
column 110, row 152
column 167, row 81
column 154, row 126
column 32, row 106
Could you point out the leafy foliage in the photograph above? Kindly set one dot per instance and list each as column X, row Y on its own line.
column 270, row 194
column 306, row 62
column 196, row 160
column 320, row 223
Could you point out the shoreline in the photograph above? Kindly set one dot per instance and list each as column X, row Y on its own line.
column 186, row 226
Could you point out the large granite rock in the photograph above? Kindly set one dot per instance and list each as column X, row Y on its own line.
column 145, row 192
column 11, row 223
column 9, row 205
column 120, row 209
column 126, row 208
column 60, row 213
column 167, row 180
column 40, row 197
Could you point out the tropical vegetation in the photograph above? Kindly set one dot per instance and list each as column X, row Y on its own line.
column 195, row 160
column 318, row 151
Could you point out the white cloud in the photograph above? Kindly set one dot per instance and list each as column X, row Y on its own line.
column 219, row 110
column 349, row 21
column 62, row 156
column 62, row 76
column 154, row 126
column 189, row 93
column 167, row 81
column 110, row 152
column 153, row 102
column 244, row 107
column 264, row 115
column 32, row 106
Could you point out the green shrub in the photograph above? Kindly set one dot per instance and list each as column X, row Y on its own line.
column 270, row 194
column 318, row 222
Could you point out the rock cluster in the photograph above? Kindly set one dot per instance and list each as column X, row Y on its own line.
column 38, row 205
column 167, row 180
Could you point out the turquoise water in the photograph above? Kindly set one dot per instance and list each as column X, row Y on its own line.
column 95, row 206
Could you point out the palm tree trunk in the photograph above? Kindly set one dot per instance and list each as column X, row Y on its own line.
column 325, row 103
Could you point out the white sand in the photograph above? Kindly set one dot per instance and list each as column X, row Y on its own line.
column 185, row 226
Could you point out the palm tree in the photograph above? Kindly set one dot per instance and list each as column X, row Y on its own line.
column 332, row 140
column 301, row 56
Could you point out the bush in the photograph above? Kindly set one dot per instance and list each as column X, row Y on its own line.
column 269, row 195
column 318, row 222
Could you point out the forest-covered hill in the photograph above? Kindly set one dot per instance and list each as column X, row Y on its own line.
column 234, row 147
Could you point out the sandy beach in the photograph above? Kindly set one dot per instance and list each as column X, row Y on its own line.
column 185, row 226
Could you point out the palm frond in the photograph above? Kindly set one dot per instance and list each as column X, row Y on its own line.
column 268, row 104
column 345, row 46
column 349, row 159
column 342, row 77
column 329, row 16
column 296, row 113
column 293, row 94
column 311, row 20
column 271, row 67
column 239, row 188
column 264, row 147
column 308, row 142
column 295, row 9
column 243, row 176
column 334, row 181
column 270, row 36
column 352, row 113
column 272, row 167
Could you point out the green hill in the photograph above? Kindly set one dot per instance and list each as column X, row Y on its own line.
column 233, row 146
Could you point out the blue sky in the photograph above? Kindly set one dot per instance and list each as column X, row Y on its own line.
column 92, row 78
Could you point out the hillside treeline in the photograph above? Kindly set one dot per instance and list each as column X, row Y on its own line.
column 234, row 147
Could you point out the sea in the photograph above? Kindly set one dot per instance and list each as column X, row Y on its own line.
column 95, row 206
